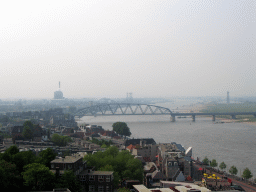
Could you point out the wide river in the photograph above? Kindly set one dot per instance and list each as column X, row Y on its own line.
column 233, row 143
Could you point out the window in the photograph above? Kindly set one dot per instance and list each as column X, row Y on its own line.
column 107, row 188
column 82, row 178
column 101, row 178
column 100, row 188
column 52, row 166
column 91, row 188
column 108, row 178
column 70, row 166
column 64, row 165
column 91, row 178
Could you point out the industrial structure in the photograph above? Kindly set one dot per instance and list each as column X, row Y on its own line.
column 228, row 101
column 58, row 94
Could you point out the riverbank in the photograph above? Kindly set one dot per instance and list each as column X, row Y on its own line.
column 246, row 185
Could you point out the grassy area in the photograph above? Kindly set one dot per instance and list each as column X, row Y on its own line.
column 234, row 107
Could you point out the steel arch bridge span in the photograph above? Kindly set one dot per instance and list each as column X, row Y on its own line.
column 123, row 109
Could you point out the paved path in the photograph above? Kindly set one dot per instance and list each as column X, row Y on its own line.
column 245, row 186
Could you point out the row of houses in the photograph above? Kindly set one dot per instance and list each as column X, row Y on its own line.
column 163, row 161
column 51, row 118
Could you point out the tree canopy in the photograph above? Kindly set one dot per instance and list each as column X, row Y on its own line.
column 60, row 140
column 247, row 173
column 222, row 166
column 69, row 180
column 27, row 132
column 10, row 177
column 122, row 163
column 38, row 177
column 206, row 161
column 46, row 156
column 23, row 170
column 121, row 128
column 214, row 163
column 233, row 170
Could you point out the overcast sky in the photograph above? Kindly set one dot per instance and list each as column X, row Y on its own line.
column 108, row 48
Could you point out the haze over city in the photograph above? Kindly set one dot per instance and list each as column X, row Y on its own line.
column 109, row 48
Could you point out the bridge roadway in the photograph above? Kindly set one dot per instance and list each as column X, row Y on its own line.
column 144, row 109
column 232, row 114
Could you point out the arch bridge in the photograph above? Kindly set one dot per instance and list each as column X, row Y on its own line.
column 123, row 109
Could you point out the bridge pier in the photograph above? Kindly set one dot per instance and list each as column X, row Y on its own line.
column 193, row 118
column 173, row 118
column 213, row 118
column 233, row 116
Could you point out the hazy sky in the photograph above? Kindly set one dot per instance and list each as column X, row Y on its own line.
column 108, row 48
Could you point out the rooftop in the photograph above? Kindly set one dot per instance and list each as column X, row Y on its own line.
column 101, row 173
column 68, row 159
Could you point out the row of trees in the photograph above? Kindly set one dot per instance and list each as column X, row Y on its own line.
column 233, row 170
column 122, row 163
column 24, row 170
column 103, row 143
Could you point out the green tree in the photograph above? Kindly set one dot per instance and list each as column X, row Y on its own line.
column 206, row 161
column 68, row 180
column 123, row 163
column 104, row 146
column 38, row 177
column 12, row 150
column 66, row 153
column 247, row 173
column 214, row 163
column 23, row 158
column 46, row 156
column 222, row 166
column 10, row 177
column 27, row 132
column 60, row 140
column 121, row 128
column 233, row 170
column 29, row 124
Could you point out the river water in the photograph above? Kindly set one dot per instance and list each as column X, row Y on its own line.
column 233, row 143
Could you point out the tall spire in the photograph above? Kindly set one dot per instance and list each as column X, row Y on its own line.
column 59, row 84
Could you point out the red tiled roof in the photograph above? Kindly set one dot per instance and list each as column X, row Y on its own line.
column 130, row 147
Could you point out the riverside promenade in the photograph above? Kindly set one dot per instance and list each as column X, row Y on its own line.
column 235, row 180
